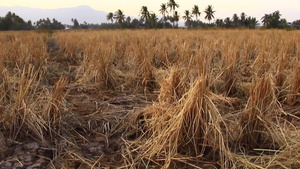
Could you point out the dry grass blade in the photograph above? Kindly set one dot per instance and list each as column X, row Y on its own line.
column 294, row 96
column 57, row 102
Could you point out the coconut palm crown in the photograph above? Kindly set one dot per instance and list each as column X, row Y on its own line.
column 209, row 13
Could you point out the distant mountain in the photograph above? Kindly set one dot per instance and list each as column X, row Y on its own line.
column 63, row 15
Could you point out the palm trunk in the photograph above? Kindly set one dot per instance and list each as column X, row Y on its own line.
column 164, row 20
column 173, row 17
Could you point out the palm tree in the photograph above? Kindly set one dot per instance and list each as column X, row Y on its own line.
column 75, row 23
column 227, row 22
column 196, row 12
column 119, row 17
column 219, row 23
column 209, row 13
column 276, row 15
column 172, row 5
column 187, row 17
column 176, row 18
column 163, row 10
column 266, row 20
column 235, row 19
column 110, row 17
column 243, row 19
column 271, row 20
column 153, row 19
column 275, row 19
column 253, row 23
column 145, row 15
column 128, row 21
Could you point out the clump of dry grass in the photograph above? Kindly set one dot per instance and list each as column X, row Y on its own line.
column 294, row 94
column 57, row 103
column 230, row 73
column 21, row 92
column 174, row 87
column 97, row 65
column 31, row 108
column 179, row 128
column 258, row 128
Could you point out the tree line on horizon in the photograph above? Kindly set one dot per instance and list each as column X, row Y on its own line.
column 169, row 19
column 191, row 17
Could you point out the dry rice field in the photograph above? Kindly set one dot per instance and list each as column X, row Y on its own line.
column 150, row 99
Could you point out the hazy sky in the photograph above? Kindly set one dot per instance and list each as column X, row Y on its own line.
column 290, row 9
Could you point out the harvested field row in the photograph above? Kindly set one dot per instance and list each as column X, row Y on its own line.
column 150, row 99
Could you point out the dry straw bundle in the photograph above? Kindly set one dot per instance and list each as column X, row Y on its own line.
column 184, row 124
